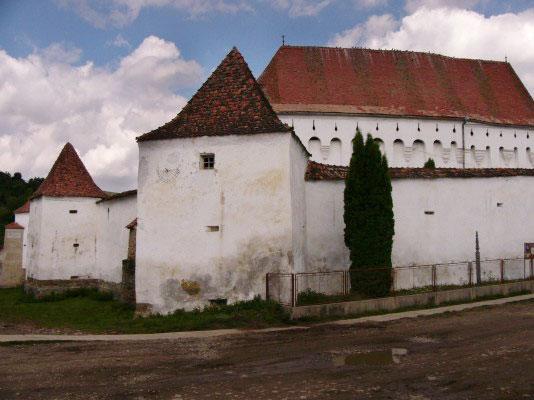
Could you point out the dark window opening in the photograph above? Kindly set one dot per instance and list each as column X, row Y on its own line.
column 429, row 212
column 76, row 245
column 73, row 211
column 212, row 228
column 207, row 161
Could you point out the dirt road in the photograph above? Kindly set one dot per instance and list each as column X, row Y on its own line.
column 479, row 354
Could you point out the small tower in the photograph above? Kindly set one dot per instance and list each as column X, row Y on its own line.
column 219, row 197
column 63, row 222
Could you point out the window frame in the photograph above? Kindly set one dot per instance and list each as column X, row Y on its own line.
column 207, row 161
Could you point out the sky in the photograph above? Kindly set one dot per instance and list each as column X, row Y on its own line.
column 99, row 73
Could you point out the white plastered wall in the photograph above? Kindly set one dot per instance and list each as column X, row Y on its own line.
column 487, row 146
column 53, row 233
column 456, row 208
column 23, row 219
column 112, row 236
column 180, row 261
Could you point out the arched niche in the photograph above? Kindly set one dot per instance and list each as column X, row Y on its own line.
column 437, row 151
column 398, row 153
column 314, row 147
column 487, row 158
column 334, row 156
column 381, row 145
column 418, row 154
column 530, row 156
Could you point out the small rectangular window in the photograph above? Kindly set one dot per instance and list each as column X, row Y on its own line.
column 429, row 212
column 212, row 228
column 207, row 161
column 76, row 245
column 73, row 211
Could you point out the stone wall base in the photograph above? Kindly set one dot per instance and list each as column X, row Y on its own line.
column 43, row 288
column 421, row 299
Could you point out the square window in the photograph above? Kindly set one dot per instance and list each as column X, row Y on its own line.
column 207, row 161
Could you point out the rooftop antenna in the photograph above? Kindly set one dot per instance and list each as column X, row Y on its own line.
column 283, row 40
column 505, row 58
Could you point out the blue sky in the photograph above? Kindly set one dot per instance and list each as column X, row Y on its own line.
column 100, row 72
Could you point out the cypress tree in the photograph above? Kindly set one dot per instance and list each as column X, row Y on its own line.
column 368, row 216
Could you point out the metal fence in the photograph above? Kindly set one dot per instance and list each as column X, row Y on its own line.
column 285, row 287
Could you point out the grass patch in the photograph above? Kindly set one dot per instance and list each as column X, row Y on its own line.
column 31, row 342
column 309, row 297
column 93, row 312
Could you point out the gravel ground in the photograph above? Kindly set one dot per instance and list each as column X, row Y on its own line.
column 478, row 354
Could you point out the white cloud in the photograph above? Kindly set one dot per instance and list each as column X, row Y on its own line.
column 120, row 13
column 375, row 26
column 371, row 3
column 453, row 32
column 301, row 8
column 413, row 5
column 45, row 102
column 119, row 41
column 62, row 53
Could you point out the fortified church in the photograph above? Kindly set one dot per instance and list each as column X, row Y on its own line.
column 248, row 178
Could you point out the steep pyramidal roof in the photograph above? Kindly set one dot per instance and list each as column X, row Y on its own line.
column 68, row 178
column 230, row 102
column 390, row 82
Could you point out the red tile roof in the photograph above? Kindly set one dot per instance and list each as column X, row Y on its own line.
column 230, row 102
column 25, row 208
column 68, row 178
column 14, row 225
column 390, row 82
column 132, row 224
column 120, row 195
column 319, row 172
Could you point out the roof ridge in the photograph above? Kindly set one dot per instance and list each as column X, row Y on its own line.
column 396, row 50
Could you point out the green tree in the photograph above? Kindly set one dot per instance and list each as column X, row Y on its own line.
column 430, row 164
column 368, row 216
column 14, row 192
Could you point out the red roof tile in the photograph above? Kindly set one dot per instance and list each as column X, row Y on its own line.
column 390, row 82
column 132, row 224
column 320, row 172
column 68, row 178
column 25, row 208
column 230, row 102
column 120, row 195
column 14, row 225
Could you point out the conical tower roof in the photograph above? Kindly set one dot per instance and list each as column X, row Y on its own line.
column 230, row 102
column 68, row 178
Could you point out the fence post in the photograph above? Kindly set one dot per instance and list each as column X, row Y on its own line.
column 531, row 269
column 267, row 286
column 470, row 272
column 502, row 270
column 477, row 260
column 293, row 296
column 434, row 277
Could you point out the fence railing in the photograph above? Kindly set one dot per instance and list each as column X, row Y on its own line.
column 286, row 287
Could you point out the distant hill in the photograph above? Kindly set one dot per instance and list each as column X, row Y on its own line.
column 14, row 192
